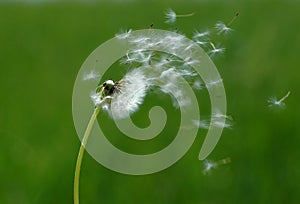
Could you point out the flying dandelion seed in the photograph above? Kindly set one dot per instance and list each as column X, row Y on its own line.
column 213, row 83
column 92, row 75
column 222, row 28
column 210, row 165
column 205, row 123
column 216, row 119
column 171, row 16
column 198, row 34
column 198, row 85
column 202, row 124
column 273, row 102
column 201, row 38
column 215, row 50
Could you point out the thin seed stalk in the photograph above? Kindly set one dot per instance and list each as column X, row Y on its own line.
column 81, row 152
column 185, row 15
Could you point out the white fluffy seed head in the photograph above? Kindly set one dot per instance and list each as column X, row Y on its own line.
column 132, row 90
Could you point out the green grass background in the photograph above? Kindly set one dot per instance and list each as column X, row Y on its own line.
column 42, row 47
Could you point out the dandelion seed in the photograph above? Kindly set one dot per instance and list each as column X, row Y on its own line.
column 202, row 124
column 210, row 165
column 171, row 16
column 217, row 120
column 273, row 102
column 198, row 34
column 213, row 83
column 127, row 59
column 190, row 46
column 205, row 124
column 218, row 114
column 124, row 34
column 222, row 28
column 189, row 61
column 198, row 85
column 221, row 124
column 201, row 43
column 215, row 50
column 92, row 75
column 201, row 38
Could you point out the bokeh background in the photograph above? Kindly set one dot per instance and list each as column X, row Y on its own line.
column 43, row 45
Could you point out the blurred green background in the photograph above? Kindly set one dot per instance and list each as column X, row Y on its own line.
column 42, row 48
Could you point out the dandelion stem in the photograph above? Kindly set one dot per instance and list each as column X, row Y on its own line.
column 81, row 152
column 185, row 15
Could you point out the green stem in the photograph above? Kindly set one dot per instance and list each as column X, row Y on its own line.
column 81, row 152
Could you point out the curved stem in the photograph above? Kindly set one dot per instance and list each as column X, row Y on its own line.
column 81, row 152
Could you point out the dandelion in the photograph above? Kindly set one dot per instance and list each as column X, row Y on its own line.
column 151, row 70
column 171, row 16
column 210, row 165
column 273, row 102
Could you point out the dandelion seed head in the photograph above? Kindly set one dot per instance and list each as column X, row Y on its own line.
column 133, row 88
